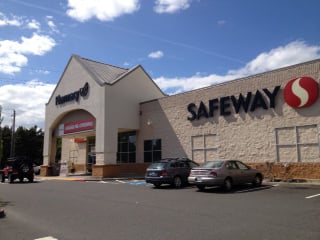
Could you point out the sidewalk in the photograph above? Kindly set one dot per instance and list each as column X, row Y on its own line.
column 83, row 177
column 74, row 177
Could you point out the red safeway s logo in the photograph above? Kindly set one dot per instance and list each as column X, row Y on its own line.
column 300, row 92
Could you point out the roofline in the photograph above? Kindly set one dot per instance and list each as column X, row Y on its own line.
column 101, row 83
column 132, row 70
column 61, row 76
column 248, row 77
column 240, row 79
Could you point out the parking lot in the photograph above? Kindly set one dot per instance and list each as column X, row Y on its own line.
column 131, row 209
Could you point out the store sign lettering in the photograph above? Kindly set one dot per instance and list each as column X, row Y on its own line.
column 74, row 96
column 249, row 102
column 79, row 125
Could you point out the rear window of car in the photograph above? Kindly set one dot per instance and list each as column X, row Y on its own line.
column 158, row 165
column 212, row 164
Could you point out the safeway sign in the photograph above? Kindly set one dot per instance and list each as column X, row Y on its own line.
column 298, row 92
column 301, row 92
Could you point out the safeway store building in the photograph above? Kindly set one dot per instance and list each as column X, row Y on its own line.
column 120, row 116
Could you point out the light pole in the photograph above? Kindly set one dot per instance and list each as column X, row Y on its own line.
column 1, row 149
column 12, row 134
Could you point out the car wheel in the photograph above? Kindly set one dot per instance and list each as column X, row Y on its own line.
column 201, row 187
column 30, row 179
column 157, row 185
column 3, row 178
column 177, row 182
column 257, row 181
column 227, row 185
column 10, row 178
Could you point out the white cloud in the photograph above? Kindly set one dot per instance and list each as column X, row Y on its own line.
column 28, row 100
column 53, row 26
column 13, row 53
column 13, row 21
column 33, row 24
column 292, row 53
column 171, row 6
column 103, row 10
column 221, row 22
column 156, row 54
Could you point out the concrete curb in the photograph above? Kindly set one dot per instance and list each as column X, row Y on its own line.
column 293, row 181
column 87, row 178
column 2, row 214
column 93, row 178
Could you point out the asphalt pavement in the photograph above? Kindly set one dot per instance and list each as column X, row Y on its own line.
column 131, row 209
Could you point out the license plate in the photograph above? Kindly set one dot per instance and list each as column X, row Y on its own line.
column 152, row 174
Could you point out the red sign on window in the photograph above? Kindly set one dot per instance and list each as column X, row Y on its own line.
column 79, row 125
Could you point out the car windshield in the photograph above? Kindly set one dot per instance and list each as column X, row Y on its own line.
column 212, row 164
column 157, row 165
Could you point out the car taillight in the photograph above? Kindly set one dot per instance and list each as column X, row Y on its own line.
column 213, row 173
column 163, row 173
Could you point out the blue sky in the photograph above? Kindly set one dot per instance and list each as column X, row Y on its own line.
column 182, row 44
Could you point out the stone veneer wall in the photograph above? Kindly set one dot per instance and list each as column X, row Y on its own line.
column 288, row 171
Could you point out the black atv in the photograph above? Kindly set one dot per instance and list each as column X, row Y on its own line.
column 17, row 168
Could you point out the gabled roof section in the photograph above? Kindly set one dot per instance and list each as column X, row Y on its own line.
column 103, row 73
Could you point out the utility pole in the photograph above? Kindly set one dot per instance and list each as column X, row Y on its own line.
column 12, row 134
column 1, row 146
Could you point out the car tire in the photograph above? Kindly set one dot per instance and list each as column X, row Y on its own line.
column 31, row 179
column 201, row 187
column 10, row 178
column 157, row 185
column 177, row 182
column 227, row 185
column 3, row 178
column 257, row 181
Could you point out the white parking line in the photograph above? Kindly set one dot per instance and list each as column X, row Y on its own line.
column 120, row 181
column 46, row 238
column 254, row 189
column 313, row 196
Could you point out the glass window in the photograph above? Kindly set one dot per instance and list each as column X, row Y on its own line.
column 152, row 150
column 148, row 156
column 242, row 166
column 126, row 147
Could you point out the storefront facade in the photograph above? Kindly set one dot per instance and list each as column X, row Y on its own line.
column 270, row 120
column 92, row 106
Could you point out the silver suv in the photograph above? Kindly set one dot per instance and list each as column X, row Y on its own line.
column 173, row 171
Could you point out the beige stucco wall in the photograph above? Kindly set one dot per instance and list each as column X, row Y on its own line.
column 73, row 78
column 245, row 136
column 122, row 106
column 115, row 108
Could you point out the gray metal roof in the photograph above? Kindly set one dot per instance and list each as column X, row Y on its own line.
column 104, row 73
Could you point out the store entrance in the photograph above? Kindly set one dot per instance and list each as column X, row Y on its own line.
column 91, row 156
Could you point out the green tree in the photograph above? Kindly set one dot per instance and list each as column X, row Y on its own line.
column 28, row 142
column 6, row 143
